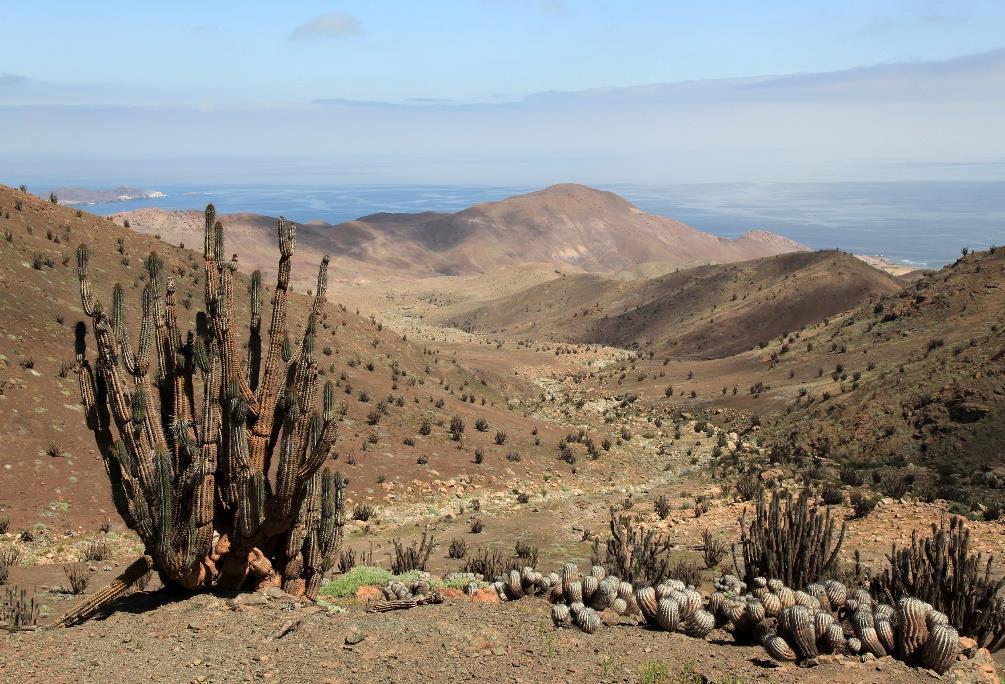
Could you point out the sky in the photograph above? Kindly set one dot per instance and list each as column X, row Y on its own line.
column 504, row 91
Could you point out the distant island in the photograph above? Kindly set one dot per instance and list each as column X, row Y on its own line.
column 122, row 193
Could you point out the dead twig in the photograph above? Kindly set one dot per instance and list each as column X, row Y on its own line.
column 404, row 604
column 287, row 627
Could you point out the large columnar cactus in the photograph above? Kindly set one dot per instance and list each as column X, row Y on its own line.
column 214, row 459
column 941, row 570
column 791, row 539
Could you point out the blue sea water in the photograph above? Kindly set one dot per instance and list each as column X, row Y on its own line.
column 919, row 223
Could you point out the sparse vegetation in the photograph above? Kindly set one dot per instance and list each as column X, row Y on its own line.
column 413, row 556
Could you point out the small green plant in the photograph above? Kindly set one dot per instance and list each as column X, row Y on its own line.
column 350, row 582
column 654, row 672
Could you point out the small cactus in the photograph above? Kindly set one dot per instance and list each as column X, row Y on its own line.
column 700, row 624
column 667, row 616
column 912, row 624
column 645, row 597
column 798, row 625
column 941, row 649
column 588, row 620
column 778, row 648
column 561, row 616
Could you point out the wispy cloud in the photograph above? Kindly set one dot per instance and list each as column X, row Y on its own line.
column 890, row 121
column 8, row 79
column 328, row 26
column 548, row 6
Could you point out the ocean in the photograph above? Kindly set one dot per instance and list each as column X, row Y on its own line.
column 923, row 224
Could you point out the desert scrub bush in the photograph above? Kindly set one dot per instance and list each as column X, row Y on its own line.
column 513, row 457
column 481, row 425
column 98, row 550
column 789, row 538
column 526, row 553
column 479, row 455
column 456, row 428
column 361, row 576
column 9, row 557
column 362, row 512
column 425, row 427
column 832, row 495
column 414, row 556
column 686, row 571
column 747, row 487
column 18, row 608
column 458, row 549
column 851, row 476
column 701, row 507
column 862, row 503
column 712, row 548
column 941, row 570
column 477, row 526
column 662, row 507
column 77, row 576
column 488, row 564
column 632, row 553
column 4, row 520
column 500, row 437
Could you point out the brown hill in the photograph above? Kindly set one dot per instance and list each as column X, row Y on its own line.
column 708, row 311
column 912, row 387
column 567, row 224
column 50, row 469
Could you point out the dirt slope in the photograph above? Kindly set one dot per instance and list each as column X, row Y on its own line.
column 49, row 469
column 709, row 311
column 913, row 386
column 565, row 224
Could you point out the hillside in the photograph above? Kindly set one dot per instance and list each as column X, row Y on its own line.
column 912, row 388
column 50, row 468
column 563, row 224
column 708, row 311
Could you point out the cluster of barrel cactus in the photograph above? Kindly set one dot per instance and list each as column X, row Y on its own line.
column 396, row 590
column 827, row 618
column 215, row 458
column 670, row 605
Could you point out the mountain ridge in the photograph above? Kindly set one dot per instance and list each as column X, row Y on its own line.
column 566, row 224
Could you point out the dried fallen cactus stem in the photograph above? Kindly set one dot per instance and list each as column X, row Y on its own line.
column 404, row 604
column 215, row 461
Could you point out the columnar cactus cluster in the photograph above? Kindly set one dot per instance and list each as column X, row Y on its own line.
column 215, row 458
column 827, row 618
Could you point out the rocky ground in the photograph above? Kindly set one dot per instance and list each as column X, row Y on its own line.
column 258, row 637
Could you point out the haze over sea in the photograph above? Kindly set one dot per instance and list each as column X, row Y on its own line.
column 919, row 222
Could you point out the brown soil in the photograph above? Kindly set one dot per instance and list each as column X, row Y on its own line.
column 215, row 639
